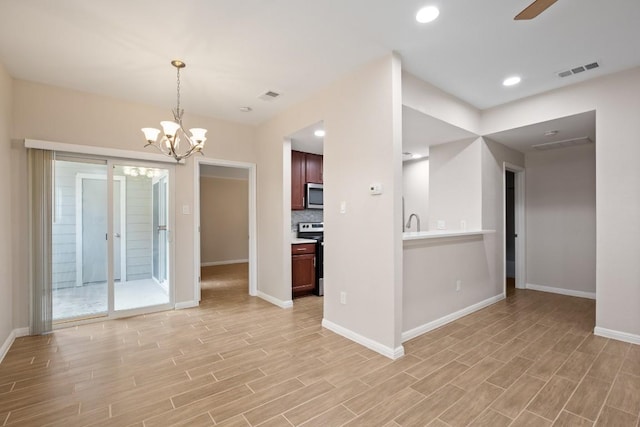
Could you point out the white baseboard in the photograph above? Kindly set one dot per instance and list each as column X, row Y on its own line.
column 16, row 333
column 233, row 261
column 391, row 353
column 275, row 301
column 617, row 335
column 561, row 291
column 412, row 333
column 186, row 304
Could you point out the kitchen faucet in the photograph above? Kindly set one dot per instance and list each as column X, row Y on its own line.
column 417, row 219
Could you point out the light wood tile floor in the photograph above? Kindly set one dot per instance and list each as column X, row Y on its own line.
column 530, row 360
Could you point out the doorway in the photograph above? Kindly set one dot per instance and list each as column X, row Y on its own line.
column 225, row 227
column 514, row 233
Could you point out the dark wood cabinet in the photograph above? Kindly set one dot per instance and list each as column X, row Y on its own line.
column 314, row 168
column 298, row 177
column 303, row 269
column 305, row 167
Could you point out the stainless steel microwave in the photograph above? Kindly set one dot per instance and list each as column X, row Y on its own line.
column 313, row 196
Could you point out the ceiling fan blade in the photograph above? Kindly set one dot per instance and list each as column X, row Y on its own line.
column 534, row 9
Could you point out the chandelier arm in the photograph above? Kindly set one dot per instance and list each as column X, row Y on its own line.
column 157, row 146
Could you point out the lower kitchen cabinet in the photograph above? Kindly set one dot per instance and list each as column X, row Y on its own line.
column 303, row 269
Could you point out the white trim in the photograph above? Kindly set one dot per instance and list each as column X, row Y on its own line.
column 98, row 151
column 561, row 291
column 275, row 301
column 232, row 261
column 391, row 353
column 186, row 304
column 16, row 333
column 253, row 228
column 412, row 333
column 616, row 335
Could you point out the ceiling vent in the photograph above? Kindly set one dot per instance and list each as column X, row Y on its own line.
column 269, row 95
column 562, row 144
column 578, row 70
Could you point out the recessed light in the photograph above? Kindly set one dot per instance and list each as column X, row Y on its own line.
column 416, row 156
column 246, row 109
column 427, row 14
column 319, row 133
column 551, row 133
column 511, row 81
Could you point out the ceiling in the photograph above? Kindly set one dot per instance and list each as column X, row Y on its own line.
column 420, row 131
column 236, row 50
column 568, row 128
column 306, row 141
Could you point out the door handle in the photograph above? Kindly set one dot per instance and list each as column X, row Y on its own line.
column 117, row 235
column 162, row 228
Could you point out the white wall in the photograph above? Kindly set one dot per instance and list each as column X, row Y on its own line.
column 561, row 218
column 455, row 184
column 6, row 246
column 415, row 186
column 55, row 114
column 224, row 220
column 363, row 247
column 617, row 104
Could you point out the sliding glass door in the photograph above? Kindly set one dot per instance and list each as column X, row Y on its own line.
column 144, row 236
column 79, row 239
column 110, row 238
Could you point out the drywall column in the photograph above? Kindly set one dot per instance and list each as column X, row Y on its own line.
column 6, row 250
column 494, row 155
column 363, row 246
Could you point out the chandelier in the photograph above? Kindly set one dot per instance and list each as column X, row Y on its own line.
column 173, row 133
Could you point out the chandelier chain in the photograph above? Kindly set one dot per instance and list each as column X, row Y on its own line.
column 178, row 95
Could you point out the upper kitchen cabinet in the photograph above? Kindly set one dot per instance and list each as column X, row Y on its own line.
column 314, row 168
column 298, row 177
column 305, row 168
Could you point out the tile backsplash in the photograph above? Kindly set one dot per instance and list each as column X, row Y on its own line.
column 307, row 215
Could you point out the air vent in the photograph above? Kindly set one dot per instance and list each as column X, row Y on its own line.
column 578, row 70
column 562, row 144
column 269, row 95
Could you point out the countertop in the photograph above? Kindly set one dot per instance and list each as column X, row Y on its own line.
column 298, row 241
column 435, row 234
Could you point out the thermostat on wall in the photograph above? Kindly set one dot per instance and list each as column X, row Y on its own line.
column 375, row 189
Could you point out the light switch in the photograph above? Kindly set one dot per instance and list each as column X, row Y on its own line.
column 186, row 210
column 343, row 207
column 440, row 225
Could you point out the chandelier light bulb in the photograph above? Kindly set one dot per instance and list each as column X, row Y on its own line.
column 198, row 134
column 169, row 128
column 151, row 134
